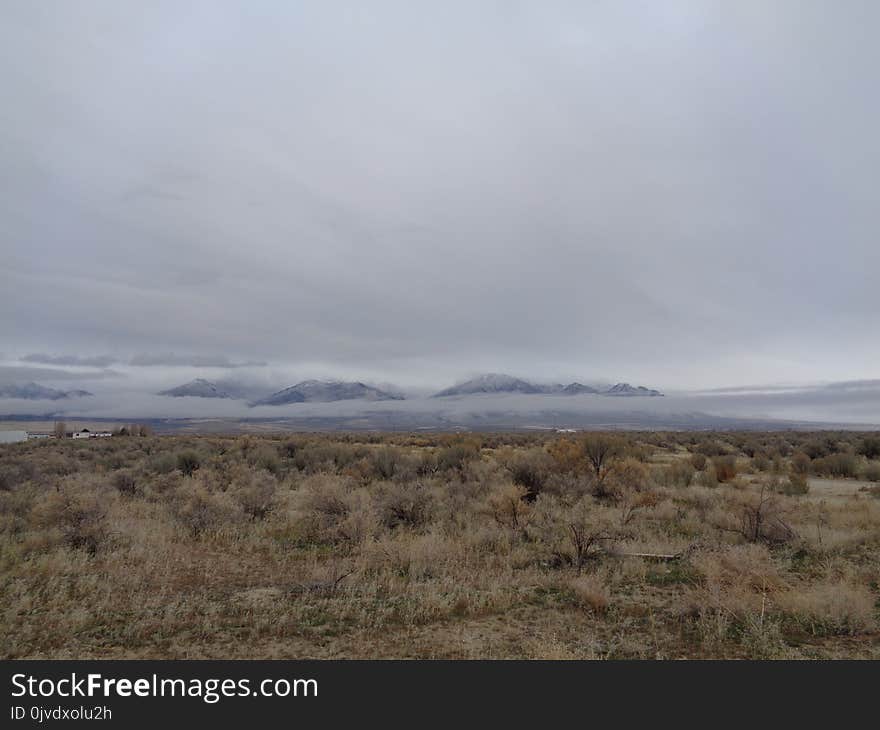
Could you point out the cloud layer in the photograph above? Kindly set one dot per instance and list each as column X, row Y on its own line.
column 677, row 194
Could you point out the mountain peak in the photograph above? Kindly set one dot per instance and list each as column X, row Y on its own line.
column 626, row 389
column 490, row 383
column 35, row 391
column 326, row 391
column 198, row 388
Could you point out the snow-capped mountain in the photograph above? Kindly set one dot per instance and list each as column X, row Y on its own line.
column 198, row 388
column 35, row 391
column 325, row 391
column 578, row 389
column 491, row 383
column 495, row 383
column 625, row 389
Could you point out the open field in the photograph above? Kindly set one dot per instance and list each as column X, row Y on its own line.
column 585, row 545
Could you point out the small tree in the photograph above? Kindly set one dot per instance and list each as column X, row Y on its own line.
column 60, row 429
column 188, row 462
column 601, row 451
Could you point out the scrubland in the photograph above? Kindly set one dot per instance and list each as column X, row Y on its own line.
column 545, row 546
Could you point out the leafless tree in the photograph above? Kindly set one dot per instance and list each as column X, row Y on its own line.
column 584, row 538
column 760, row 520
column 601, row 451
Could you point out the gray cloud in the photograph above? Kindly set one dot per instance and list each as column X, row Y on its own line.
column 196, row 361
column 99, row 361
column 12, row 374
column 675, row 194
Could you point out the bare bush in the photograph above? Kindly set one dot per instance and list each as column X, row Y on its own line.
column 125, row 482
column 724, row 467
column 80, row 518
column 257, row 495
column 761, row 520
column 199, row 511
column 508, row 506
column 410, row 505
column 188, row 462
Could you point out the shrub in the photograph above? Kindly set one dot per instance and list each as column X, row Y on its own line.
column 830, row 609
column 836, row 465
column 264, row 457
column 456, row 456
column 80, row 518
column 257, row 497
column 125, row 482
column 331, row 511
column 188, row 462
column 530, row 470
column 708, row 478
column 677, row 474
column 567, row 456
column 816, row 449
column 711, row 448
column 199, row 511
column 698, row 461
column 870, row 447
column 725, row 468
column 385, row 462
column 507, row 505
column 760, row 520
column 795, row 484
column 162, row 463
column 590, row 593
column 601, row 451
column 872, row 471
column 800, row 463
column 410, row 505
column 630, row 474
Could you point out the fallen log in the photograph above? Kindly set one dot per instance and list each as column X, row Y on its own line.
column 648, row 556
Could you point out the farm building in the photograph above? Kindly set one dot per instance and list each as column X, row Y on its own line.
column 86, row 434
column 11, row 437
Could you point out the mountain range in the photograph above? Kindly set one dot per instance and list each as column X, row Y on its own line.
column 497, row 383
column 35, row 391
column 327, row 391
column 198, row 388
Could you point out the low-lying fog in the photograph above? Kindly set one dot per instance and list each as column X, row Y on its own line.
column 130, row 393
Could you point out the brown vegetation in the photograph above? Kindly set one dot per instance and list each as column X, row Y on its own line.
column 638, row 545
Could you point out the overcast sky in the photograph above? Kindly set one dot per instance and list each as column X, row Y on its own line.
column 680, row 194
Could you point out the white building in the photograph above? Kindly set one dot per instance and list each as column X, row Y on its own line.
column 86, row 434
column 12, row 437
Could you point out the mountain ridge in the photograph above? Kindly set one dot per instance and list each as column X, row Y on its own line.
column 35, row 391
column 500, row 383
column 325, row 391
column 197, row 388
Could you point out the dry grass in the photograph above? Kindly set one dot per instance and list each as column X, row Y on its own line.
column 502, row 545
